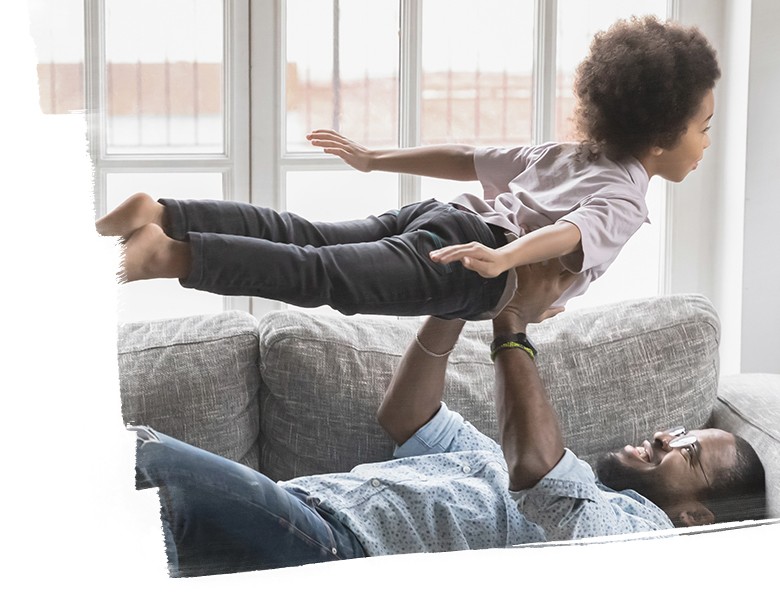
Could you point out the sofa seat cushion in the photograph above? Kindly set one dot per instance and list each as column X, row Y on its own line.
column 615, row 374
column 196, row 379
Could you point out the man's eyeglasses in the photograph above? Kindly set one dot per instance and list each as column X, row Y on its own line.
column 681, row 439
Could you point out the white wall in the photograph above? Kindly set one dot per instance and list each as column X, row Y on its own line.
column 729, row 202
column 761, row 258
column 721, row 242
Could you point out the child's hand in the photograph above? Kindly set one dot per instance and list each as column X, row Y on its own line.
column 475, row 256
column 332, row 142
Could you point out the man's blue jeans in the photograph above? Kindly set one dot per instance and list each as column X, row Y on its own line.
column 377, row 265
column 222, row 517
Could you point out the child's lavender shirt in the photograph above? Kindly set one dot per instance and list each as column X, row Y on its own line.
column 528, row 187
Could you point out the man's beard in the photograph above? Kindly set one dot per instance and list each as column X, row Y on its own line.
column 618, row 476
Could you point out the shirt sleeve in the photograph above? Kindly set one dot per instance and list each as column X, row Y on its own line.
column 447, row 431
column 605, row 225
column 496, row 167
column 569, row 504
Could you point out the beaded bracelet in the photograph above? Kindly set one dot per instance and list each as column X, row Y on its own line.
column 428, row 352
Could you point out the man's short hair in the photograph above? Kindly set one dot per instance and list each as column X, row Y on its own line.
column 641, row 84
column 739, row 493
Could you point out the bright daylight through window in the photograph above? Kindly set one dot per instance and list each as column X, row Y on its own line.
column 170, row 110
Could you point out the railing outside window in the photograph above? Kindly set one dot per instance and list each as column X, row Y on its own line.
column 166, row 88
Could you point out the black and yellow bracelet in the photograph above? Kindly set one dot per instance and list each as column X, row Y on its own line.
column 515, row 340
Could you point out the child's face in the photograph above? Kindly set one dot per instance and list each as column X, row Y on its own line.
column 676, row 162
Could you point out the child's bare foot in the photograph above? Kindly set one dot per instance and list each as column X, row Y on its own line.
column 135, row 212
column 150, row 254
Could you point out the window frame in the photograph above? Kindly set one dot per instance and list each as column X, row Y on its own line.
column 232, row 164
column 271, row 162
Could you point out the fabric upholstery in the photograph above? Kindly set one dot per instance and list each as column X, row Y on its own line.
column 195, row 379
column 749, row 405
column 615, row 374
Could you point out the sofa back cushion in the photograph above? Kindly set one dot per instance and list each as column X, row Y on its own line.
column 615, row 374
column 196, row 379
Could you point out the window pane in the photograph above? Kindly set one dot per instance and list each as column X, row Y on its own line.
column 163, row 298
column 477, row 71
column 342, row 70
column 340, row 195
column 578, row 22
column 58, row 32
column 164, row 76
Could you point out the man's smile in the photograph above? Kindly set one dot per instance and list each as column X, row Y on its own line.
column 644, row 452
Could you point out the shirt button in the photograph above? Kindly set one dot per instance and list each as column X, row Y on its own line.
column 466, row 469
column 376, row 482
column 334, row 551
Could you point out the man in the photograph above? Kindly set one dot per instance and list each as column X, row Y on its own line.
column 450, row 487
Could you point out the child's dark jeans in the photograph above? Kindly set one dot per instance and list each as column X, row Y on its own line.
column 377, row 265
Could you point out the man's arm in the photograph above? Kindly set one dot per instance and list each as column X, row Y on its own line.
column 529, row 430
column 552, row 241
column 415, row 391
column 448, row 161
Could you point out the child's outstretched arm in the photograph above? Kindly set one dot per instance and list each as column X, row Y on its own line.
column 449, row 161
column 552, row 241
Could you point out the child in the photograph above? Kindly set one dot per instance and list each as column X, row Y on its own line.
column 644, row 103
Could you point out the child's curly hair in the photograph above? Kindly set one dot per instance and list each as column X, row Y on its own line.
column 641, row 84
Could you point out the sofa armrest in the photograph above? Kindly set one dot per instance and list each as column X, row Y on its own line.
column 749, row 406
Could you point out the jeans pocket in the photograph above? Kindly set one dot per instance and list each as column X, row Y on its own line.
column 425, row 242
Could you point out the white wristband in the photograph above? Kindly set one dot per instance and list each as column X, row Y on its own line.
column 428, row 352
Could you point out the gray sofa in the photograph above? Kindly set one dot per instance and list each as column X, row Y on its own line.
column 295, row 392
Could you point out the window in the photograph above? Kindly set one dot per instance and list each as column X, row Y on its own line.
column 164, row 89
column 390, row 73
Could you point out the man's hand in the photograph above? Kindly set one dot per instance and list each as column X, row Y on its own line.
column 538, row 286
column 475, row 256
column 332, row 142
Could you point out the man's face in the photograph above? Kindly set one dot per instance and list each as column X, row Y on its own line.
column 665, row 474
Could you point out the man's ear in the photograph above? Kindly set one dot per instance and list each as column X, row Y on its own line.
column 691, row 514
column 656, row 151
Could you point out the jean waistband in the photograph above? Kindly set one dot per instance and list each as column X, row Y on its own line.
column 501, row 235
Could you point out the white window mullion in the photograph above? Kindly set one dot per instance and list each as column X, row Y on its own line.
column 267, row 102
column 545, row 69
column 236, row 93
column 236, row 184
column 409, row 91
column 94, row 94
column 266, row 125
column 666, row 216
